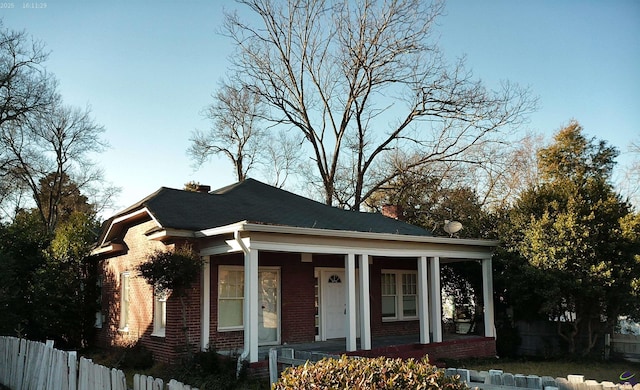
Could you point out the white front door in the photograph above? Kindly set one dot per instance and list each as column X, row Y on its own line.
column 334, row 310
column 268, row 312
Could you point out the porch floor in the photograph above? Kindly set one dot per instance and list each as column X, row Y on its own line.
column 390, row 346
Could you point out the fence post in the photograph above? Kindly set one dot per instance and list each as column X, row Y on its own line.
column 273, row 366
column 72, row 365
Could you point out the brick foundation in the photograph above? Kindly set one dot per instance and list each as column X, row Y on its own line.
column 451, row 349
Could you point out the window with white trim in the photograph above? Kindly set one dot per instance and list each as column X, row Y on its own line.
column 124, row 301
column 159, row 314
column 230, row 297
column 399, row 295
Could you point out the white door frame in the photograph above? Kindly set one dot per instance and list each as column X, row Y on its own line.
column 322, row 273
column 278, row 306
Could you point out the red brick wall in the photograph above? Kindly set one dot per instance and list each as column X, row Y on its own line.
column 141, row 301
column 451, row 349
column 297, row 309
column 378, row 327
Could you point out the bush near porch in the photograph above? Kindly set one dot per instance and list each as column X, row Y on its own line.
column 367, row 373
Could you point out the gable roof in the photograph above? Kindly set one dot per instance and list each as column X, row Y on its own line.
column 256, row 202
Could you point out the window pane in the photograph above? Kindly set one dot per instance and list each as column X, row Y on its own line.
column 409, row 306
column 124, row 300
column 388, row 284
column 388, row 306
column 231, row 284
column 229, row 313
column 409, row 286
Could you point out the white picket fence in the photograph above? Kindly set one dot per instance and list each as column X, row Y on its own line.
column 27, row 365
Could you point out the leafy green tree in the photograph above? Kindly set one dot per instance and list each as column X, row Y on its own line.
column 173, row 272
column 569, row 229
column 65, row 291
column 22, row 245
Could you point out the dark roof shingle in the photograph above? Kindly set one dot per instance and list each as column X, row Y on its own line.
column 256, row 202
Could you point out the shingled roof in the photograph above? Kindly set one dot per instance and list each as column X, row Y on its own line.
column 256, row 202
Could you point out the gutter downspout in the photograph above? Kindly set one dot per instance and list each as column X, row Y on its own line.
column 244, row 356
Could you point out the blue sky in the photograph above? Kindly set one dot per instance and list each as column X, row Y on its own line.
column 147, row 69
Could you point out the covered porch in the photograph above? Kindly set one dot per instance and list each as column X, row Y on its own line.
column 344, row 294
column 453, row 346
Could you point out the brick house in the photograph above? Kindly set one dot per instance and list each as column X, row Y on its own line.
column 279, row 268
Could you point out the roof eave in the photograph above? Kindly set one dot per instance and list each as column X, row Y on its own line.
column 254, row 227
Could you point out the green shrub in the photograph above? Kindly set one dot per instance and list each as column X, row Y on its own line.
column 368, row 373
column 136, row 357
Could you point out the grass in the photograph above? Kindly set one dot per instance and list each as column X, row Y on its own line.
column 596, row 370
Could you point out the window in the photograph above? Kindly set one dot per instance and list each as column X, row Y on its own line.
column 230, row 297
column 124, row 301
column 99, row 316
column 159, row 314
column 399, row 295
column 389, row 296
column 409, row 295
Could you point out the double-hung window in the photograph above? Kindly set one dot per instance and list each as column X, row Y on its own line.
column 159, row 313
column 230, row 297
column 399, row 295
column 124, row 301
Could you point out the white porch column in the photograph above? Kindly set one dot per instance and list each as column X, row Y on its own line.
column 436, row 299
column 423, row 299
column 350, row 275
column 251, row 304
column 205, row 319
column 487, row 296
column 365, row 310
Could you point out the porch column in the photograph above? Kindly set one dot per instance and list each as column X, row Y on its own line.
column 251, row 304
column 205, row 319
column 365, row 310
column 436, row 300
column 350, row 275
column 487, row 297
column 423, row 300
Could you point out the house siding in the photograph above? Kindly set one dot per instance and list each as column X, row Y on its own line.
column 141, row 302
column 297, row 300
column 297, row 297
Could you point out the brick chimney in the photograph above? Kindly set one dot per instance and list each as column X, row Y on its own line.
column 392, row 211
column 205, row 189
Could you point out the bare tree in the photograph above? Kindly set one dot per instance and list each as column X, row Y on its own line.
column 235, row 129
column 360, row 81
column 630, row 182
column 281, row 157
column 25, row 87
column 50, row 149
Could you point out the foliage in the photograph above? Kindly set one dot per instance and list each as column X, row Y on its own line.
column 567, row 237
column 367, row 373
column 48, row 285
column 65, row 287
column 45, row 145
column 22, row 246
column 208, row 370
column 136, row 357
column 173, row 271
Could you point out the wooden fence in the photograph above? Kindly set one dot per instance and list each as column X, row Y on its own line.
column 627, row 345
column 27, row 365
column 288, row 357
column 499, row 380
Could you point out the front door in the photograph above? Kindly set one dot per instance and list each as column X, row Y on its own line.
column 334, row 308
column 268, row 312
